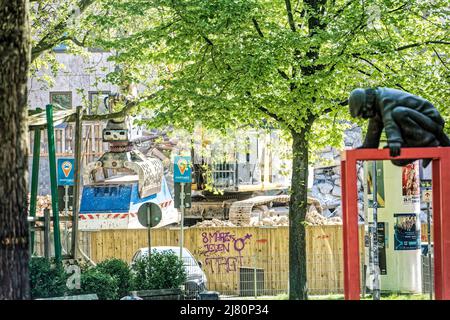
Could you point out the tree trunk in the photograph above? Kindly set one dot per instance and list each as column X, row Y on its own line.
column 15, row 57
column 297, row 213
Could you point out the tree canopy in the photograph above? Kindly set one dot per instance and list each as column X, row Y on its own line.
column 226, row 62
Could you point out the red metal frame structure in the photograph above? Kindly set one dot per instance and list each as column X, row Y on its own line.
column 441, row 214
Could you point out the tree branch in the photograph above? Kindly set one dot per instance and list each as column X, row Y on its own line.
column 55, row 35
column 258, row 29
column 341, row 9
column 367, row 61
column 340, row 104
column 289, row 15
column 207, row 40
column 440, row 59
column 283, row 74
column 275, row 117
column 399, row 8
column 129, row 107
column 418, row 44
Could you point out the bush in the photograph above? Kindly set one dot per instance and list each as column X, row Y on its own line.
column 47, row 279
column 102, row 284
column 164, row 270
column 120, row 271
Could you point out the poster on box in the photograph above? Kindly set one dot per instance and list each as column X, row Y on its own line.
column 406, row 232
column 411, row 183
column 380, row 183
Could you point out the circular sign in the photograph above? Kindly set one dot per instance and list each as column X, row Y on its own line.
column 149, row 214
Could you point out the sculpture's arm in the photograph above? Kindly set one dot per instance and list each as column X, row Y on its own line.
column 373, row 134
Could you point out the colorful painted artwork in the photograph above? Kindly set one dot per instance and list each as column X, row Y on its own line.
column 411, row 183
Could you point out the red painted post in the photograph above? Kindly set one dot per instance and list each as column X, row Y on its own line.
column 350, row 224
column 445, row 224
column 345, row 224
column 437, row 208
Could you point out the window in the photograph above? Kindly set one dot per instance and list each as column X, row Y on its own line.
column 97, row 102
column 60, row 48
column 64, row 99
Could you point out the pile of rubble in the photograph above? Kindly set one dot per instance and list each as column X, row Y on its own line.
column 327, row 189
column 313, row 217
column 327, row 176
column 43, row 202
column 215, row 223
column 262, row 215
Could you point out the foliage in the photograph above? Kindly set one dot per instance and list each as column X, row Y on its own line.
column 47, row 279
column 242, row 60
column 119, row 270
column 94, row 281
column 163, row 270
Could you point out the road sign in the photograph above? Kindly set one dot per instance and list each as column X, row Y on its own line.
column 187, row 195
column 66, row 168
column 182, row 171
column 153, row 214
column 427, row 196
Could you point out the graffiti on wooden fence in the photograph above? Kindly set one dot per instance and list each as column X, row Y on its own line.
column 223, row 250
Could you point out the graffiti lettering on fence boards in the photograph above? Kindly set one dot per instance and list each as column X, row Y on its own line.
column 223, row 250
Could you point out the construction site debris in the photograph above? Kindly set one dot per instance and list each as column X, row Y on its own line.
column 313, row 217
column 215, row 223
column 43, row 202
column 259, row 212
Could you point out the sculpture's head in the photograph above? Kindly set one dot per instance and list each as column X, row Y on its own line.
column 360, row 105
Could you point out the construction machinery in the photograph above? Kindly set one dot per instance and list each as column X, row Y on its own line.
column 120, row 182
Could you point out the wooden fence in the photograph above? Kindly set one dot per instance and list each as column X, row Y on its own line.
column 223, row 251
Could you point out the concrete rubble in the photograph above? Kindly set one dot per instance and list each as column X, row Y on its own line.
column 273, row 216
column 43, row 202
column 327, row 179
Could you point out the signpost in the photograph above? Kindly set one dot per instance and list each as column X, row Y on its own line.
column 374, row 237
column 149, row 215
column 182, row 175
column 187, row 195
column 427, row 196
column 66, row 179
